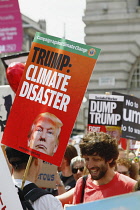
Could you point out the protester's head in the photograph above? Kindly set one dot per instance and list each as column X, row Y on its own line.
column 44, row 133
column 126, row 167
column 100, row 151
column 100, row 144
column 77, row 166
column 17, row 159
column 123, row 166
column 70, row 153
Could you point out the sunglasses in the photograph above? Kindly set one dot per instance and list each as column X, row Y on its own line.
column 74, row 170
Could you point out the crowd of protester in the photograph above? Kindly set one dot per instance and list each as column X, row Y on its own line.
column 100, row 168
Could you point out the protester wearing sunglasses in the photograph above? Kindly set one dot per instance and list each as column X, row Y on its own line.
column 78, row 169
column 127, row 167
column 77, row 166
column 74, row 170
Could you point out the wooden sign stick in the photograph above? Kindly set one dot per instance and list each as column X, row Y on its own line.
column 26, row 171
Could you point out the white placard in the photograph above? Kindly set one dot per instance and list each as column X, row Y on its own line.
column 9, row 199
column 6, row 100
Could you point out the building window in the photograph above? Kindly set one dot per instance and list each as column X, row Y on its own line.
column 135, row 82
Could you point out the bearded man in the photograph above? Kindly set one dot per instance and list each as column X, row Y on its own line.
column 100, row 152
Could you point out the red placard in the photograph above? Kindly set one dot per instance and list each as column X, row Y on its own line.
column 54, row 81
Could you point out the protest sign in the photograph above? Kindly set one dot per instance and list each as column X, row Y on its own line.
column 131, row 117
column 105, row 110
column 47, row 176
column 105, row 114
column 129, row 201
column 96, row 128
column 54, row 81
column 16, row 57
column 11, row 37
column 9, row 199
column 6, row 100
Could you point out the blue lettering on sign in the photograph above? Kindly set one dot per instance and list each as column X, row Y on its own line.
column 48, row 177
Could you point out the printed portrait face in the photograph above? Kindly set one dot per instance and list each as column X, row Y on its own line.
column 44, row 136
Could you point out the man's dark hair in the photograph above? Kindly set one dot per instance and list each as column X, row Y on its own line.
column 101, row 144
column 16, row 158
column 70, row 153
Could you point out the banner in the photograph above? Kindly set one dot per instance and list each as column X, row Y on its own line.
column 131, row 117
column 105, row 114
column 6, row 100
column 105, row 110
column 9, row 199
column 128, row 201
column 49, row 97
column 11, row 34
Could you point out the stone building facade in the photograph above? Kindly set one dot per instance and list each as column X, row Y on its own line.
column 113, row 26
